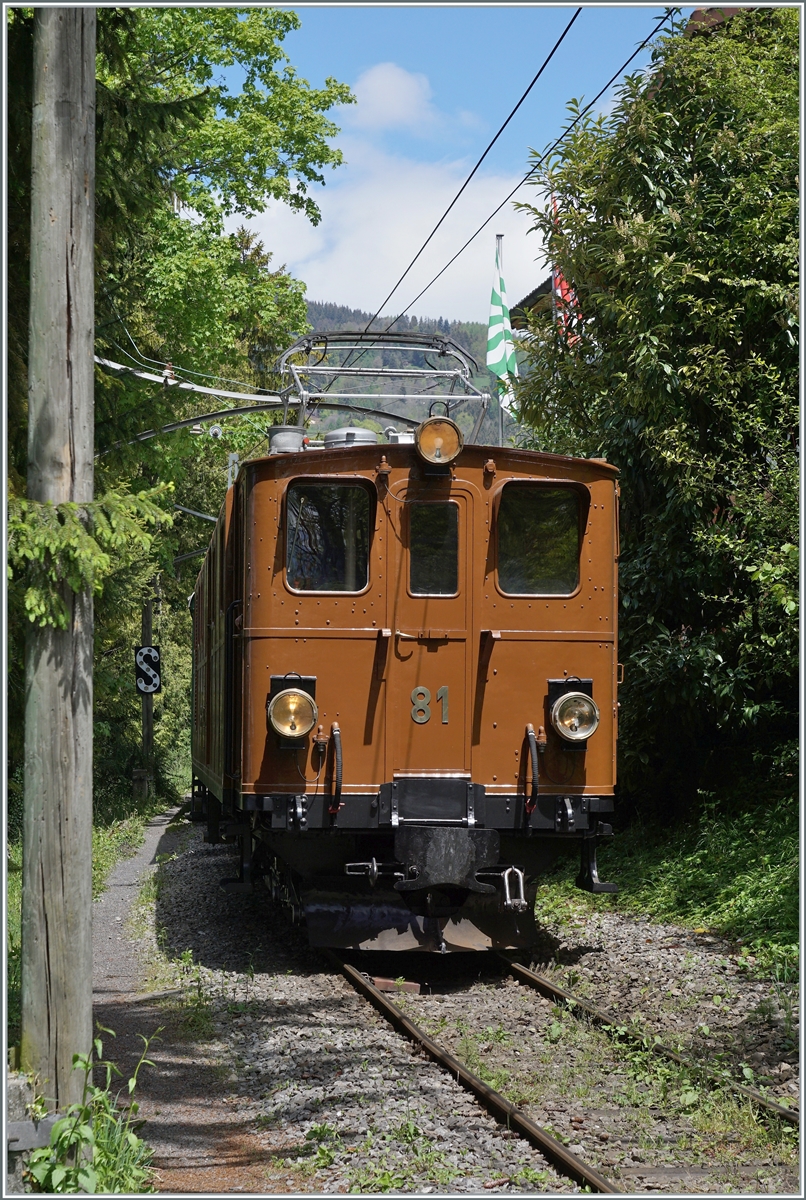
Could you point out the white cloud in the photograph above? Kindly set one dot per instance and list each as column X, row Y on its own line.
column 389, row 97
column 377, row 212
column 378, row 209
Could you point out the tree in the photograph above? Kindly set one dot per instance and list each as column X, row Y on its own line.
column 176, row 152
column 170, row 140
column 57, row 871
column 675, row 220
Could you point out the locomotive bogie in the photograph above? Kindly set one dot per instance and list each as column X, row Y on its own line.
column 386, row 649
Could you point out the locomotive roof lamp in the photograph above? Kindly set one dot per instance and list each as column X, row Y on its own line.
column 438, row 441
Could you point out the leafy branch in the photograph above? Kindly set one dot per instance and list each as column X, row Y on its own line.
column 53, row 548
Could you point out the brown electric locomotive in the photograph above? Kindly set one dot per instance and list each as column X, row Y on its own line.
column 405, row 671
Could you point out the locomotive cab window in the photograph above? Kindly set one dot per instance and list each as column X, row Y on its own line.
column 433, row 549
column 538, row 540
column 327, row 537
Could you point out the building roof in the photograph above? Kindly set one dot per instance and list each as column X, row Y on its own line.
column 519, row 314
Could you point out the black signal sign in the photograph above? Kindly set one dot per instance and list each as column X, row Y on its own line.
column 148, row 673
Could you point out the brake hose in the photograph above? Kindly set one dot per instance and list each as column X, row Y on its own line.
column 335, row 803
column 532, row 801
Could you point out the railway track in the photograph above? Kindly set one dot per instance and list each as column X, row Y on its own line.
column 508, row 1091
column 641, row 1164
column 611, row 1023
column 504, row 1110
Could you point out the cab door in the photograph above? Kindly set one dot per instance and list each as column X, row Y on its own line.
column 427, row 693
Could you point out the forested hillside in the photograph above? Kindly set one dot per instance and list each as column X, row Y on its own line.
column 470, row 335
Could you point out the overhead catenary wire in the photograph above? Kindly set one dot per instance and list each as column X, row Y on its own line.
column 658, row 24
column 669, row 12
column 487, row 150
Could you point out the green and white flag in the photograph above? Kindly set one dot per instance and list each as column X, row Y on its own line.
column 500, row 346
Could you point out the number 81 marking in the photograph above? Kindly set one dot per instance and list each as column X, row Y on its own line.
column 421, row 704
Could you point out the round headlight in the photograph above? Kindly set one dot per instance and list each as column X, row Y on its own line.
column 292, row 713
column 575, row 716
column 438, row 440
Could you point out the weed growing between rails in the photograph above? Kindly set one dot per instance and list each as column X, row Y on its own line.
column 94, row 1147
column 404, row 1158
column 595, row 1089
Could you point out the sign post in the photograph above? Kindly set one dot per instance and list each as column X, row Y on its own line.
column 148, row 678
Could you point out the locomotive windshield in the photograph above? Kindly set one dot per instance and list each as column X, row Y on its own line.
column 538, row 540
column 433, row 549
column 327, row 541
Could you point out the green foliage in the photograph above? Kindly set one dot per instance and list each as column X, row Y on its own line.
column 95, row 1148
column 76, row 544
column 733, row 871
column 177, row 150
column 270, row 140
column 117, row 828
column 676, row 223
column 117, row 831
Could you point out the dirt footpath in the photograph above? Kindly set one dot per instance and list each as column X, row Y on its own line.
column 200, row 1144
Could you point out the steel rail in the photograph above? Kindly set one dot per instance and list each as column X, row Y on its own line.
column 610, row 1022
column 502, row 1109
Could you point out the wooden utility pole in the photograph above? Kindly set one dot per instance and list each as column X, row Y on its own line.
column 57, row 845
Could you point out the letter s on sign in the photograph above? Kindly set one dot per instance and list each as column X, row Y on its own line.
column 146, row 667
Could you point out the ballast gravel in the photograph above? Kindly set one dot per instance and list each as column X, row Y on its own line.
column 338, row 1097
column 694, row 989
column 339, row 1102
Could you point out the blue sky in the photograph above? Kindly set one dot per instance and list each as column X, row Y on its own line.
column 433, row 85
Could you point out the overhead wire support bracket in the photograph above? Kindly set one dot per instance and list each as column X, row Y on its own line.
column 298, row 394
column 327, row 348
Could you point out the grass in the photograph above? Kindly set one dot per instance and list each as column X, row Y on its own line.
column 118, row 824
column 735, row 874
column 473, row 1045
column 196, row 1000
column 621, row 1073
column 399, row 1159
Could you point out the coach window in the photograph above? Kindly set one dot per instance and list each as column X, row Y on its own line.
column 327, row 537
column 433, row 549
column 538, row 540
